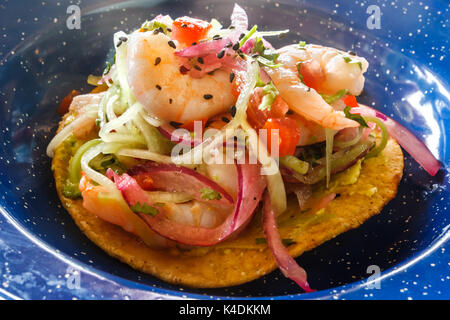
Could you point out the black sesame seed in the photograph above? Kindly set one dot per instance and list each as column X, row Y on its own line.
column 194, row 43
column 225, row 119
column 211, row 73
column 241, row 36
column 200, row 60
column 217, row 37
column 233, row 111
column 352, row 53
column 184, row 25
column 232, row 27
column 172, row 44
column 236, row 46
column 184, row 70
column 119, row 43
column 208, row 96
column 158, row 87
column 229, row 45
column 123, row 39
column 232, row 75
column 254, row 56
column 254, row 198
column 168, row 29
column 196, row 67
column 157, row 60
column 156, row 31
column 170, row 100
column 221, row 54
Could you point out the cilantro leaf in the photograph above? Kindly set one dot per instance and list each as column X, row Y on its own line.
column 145, row 209
column 210, row 194
column 350, row 60
column 266, row 56
column 269, row 94
column 356, row 117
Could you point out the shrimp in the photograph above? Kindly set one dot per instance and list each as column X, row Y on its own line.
column 194, row 213
column 331, row 73
column 156, row 81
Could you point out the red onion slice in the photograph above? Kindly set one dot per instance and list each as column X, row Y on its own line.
column 416, row 148
column 173, row 178
column 250, row 189
column 172, row 134
column 286, row 263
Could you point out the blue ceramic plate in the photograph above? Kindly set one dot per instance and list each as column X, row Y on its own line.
column 44, row 255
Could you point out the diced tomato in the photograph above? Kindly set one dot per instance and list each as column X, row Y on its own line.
column 190, row 125
column 188, row 30
column 257, row 118
column 101, row 88
column 350, row 101
column 312, row 73
column 144, row 181
column 219, row 121
column 288, row 135
column 238, row 84
column 67, row 101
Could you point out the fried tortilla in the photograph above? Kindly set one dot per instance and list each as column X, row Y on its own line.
column 364, row 190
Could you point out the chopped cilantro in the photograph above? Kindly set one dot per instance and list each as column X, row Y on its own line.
column 299, row 65
column 350, row 60
column 145, row 209
column 302, row 45
column 269, row 94
column 356, row 117
column 210, row 194
column 107, row 69
column 153, row 25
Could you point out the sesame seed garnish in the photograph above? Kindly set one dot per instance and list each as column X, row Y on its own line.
column 184, row 25
column 352, row 53
column 194, row 43
column 123, row 39
column 168, row 29
column 233, row 111
column 229, row 45
column 232, row 75
column 184, row 70
column 157, row 60
column 172, row 44
column 241, row 36
column 221, row 54
column 158, row 87
column 196, row 67
column 200, row 60
column 217, row 37
column 236, row 46
column 208, row 96
column 170, row 100
column 225, row 119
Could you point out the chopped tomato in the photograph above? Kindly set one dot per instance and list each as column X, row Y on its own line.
column 350, row 101
column 100, row 88
column 67, row 101
column 288, row 135
column 218, row 122
column 238, row 84
column 144, row 181
column 190, row 125
column 312, row 74
column 257, row 118
column 188, row 30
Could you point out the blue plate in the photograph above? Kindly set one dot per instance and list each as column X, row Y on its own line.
column 44, row 255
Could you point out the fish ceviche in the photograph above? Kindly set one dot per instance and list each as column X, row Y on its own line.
column 207, row 157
